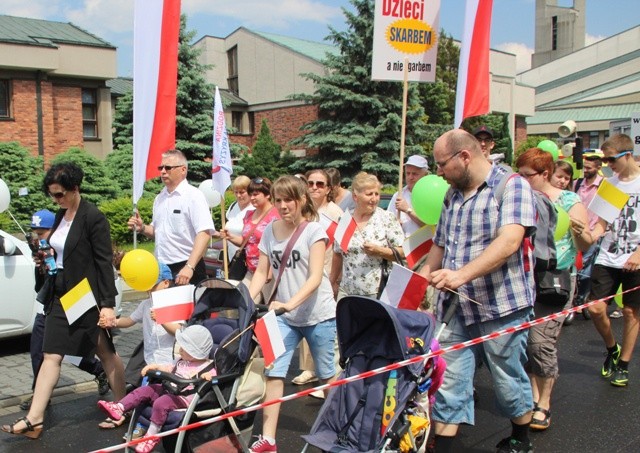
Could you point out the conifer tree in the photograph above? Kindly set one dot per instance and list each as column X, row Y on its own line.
column 266, row 158
column 359, row 121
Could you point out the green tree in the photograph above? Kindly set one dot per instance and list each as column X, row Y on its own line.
column 359, row 120
column 266, row 158
column 23, row 174
column 194, row 110
column 118, row 165
column 531, row 142
column 439, row 97
column 96, row 185
column 499, row 123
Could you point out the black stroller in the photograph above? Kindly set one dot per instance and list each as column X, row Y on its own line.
column 375, row 414
column 227, row 311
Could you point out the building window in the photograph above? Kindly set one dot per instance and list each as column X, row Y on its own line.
column 554, row 33
column 89, row 113
column 236, row 121
column 5, row 99
column 594, row 140
column 232, row 80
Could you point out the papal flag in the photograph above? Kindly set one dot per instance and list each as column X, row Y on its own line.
column 78, row 301
column 608, row 201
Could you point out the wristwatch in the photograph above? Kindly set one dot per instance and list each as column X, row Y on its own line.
column 190, row 267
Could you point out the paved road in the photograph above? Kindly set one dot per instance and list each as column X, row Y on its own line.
column 588, row 413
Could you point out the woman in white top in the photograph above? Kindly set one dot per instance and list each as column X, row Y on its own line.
column 238, row 210
column 303, row 292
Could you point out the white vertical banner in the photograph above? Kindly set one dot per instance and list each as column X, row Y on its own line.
column 405, row 29
column 221, row 163
column 635, row 132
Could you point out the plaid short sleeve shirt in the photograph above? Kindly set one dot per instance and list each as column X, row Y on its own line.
column 465, row 230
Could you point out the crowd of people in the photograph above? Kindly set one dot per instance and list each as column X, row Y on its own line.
column 478, row 264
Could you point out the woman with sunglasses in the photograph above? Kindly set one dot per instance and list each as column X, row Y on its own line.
column 537, row 167
column 81, row 240
column 254, row 223
column 303, row 293
column 320, row 191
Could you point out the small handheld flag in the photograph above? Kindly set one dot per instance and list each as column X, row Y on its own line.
column 405, row 289
column 269, row 337
column 608, row 201
column 173, row 304
column 345, row 231
column 78, row 301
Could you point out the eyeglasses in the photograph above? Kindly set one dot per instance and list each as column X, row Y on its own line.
column 168, row 167
column 529, row 175
column 612, row 159
column 484, row 139
column 58, row 195
column 443, row 164
column 257, row 180
column 318, row 184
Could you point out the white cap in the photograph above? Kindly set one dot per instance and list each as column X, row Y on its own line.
column 417, row 161
column 196, row 341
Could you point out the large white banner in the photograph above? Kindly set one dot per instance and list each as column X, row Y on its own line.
column 635, row 132
column 405, row 29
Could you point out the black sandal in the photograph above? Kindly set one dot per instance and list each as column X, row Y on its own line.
column 540, row 425
column 30, row 430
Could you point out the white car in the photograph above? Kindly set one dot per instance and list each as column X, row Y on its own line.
column 18, row 305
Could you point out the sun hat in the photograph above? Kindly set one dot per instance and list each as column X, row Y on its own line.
column 417, row 161
column 43, row 219
column 164, row 274
column 196, row 341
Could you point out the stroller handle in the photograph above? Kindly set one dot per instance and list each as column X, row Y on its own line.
column 262, row 310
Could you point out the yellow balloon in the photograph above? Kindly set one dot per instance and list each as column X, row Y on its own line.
column 140, row 269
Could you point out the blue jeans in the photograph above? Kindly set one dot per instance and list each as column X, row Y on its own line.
column 505, row 357
column 584, row 274
column 320, row 337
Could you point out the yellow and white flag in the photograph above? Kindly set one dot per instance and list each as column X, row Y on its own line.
column 78, row 301
column 608, row 201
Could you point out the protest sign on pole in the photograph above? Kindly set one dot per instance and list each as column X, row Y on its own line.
column 405, row 29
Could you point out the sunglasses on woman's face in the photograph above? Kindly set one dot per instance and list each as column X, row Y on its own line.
column 318, row 184
column 58, row 195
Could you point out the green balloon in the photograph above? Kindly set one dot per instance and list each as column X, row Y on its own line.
column 427, row 198
column 563, row 224
column 618, row 297
column 550, row 147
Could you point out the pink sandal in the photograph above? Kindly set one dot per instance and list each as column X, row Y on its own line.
column 113, row 410
column 147, row 446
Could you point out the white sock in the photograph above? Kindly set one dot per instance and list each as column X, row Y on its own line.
column 153, row 429
column 271, row 440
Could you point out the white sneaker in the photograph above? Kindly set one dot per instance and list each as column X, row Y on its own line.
column 318, row 394
column 306, row 377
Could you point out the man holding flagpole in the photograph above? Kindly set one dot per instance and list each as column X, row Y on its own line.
column 618, row 262
column 182, row 225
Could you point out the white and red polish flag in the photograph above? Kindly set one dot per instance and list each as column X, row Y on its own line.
column 269, row 338
column 173, row 304
column 472, row 98
column 405, row 289
column 418, row 245
column 345, row 230
column 330, row 226
column 156, row 28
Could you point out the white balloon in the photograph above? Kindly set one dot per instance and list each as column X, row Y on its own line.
column 212, row 195
column 5, row 196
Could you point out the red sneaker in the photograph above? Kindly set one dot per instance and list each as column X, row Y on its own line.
column 262, row 445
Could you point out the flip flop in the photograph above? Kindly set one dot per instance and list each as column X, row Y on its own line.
column 109, row 423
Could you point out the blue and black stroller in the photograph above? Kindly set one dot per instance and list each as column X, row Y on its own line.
column 379, row 413
column 228, row 312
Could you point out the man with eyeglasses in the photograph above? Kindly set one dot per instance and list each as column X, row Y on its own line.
column 414, row 168
column 485, row 137
column 478, row 254
column 618, row 262
column 182, row 225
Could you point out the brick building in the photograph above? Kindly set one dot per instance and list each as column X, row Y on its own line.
column 52, row 87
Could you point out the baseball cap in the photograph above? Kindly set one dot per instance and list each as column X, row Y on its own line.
column 43, row 219
column 196, row 341
column 164, row 274
column 417, row 161
column 484, row 130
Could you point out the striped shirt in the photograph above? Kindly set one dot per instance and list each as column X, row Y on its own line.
column 465, row 230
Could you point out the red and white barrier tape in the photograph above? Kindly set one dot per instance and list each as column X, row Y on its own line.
column 366, row 374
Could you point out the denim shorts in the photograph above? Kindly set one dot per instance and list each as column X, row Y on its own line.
column 505, row 357
column 321, row 338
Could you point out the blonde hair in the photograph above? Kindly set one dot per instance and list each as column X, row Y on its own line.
column 240, row 183
column 363, row 181
column 295, row 189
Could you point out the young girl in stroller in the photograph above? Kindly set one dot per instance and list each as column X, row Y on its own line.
column 195, row 344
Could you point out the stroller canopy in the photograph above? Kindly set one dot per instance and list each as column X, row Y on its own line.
column 365, row 325
column 214, row 295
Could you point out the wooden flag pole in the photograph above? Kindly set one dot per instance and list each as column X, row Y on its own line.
column 225, row 249
column 405, row 88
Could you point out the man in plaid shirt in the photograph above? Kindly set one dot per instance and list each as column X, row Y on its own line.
column 478, row 254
